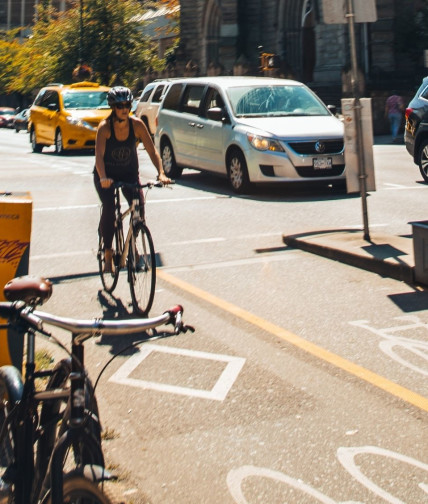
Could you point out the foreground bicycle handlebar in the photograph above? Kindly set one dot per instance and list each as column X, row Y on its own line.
column 96, row 327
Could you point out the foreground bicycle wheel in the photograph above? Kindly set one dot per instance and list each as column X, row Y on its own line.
column 142, row 270
column 10, row 393
column 80, row 490
column 108, row 279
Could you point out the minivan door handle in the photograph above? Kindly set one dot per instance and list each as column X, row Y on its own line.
column 200, row 126
column 192, row 124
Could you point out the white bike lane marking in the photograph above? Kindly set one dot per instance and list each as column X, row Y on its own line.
column 218, row 391
column 417, row 348
column 346, row 456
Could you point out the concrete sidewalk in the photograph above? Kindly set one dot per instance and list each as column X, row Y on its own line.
column 387, row 255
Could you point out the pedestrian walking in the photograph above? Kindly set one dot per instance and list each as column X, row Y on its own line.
column 394, row 108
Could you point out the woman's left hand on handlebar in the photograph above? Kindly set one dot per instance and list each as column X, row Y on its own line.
column 164, row 179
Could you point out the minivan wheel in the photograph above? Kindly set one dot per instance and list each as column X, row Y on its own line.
column 423, row 159
column 237, row 172
column 168, row 161
column 59, row 146
column 34, row 145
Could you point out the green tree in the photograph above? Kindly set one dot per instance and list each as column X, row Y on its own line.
column 109, row 42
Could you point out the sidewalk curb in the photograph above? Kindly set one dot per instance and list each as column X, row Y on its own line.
column 317, row 243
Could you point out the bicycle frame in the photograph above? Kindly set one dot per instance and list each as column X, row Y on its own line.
column 131, row 211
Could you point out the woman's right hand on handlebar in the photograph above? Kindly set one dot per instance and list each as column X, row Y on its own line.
column 106, row 182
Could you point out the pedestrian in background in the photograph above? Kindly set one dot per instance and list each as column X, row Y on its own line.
column 394, row 108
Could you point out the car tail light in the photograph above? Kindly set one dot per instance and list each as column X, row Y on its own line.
column 408, row 112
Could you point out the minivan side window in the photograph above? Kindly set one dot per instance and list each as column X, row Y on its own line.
column 172, row 99
column 146, row 94
column 158, row 94
column 39, row 97
column 192, row 98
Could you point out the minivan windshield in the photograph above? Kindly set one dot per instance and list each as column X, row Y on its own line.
column 85, row 99
column 268, row 101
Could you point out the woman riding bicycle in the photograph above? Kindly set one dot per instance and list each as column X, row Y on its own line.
column 116, row 159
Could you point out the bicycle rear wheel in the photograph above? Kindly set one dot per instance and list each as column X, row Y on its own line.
column 142, row 270
column 80, row 490
column 109, row 279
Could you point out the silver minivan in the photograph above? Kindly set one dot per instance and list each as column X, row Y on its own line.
column 250, row 129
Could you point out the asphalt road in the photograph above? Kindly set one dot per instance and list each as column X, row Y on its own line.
column 305, row 380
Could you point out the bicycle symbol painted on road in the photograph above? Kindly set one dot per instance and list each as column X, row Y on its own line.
column 417, row 476
column 391, row 344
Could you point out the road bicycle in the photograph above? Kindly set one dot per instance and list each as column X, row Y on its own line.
column 50, row 439
column 136, row 251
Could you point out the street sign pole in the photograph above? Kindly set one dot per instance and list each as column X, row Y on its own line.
column 350, row 15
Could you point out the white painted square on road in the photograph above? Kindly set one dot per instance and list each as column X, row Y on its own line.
column 218, row 392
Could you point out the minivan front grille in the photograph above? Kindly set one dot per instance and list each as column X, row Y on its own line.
column 309, row 171
column 310, row 148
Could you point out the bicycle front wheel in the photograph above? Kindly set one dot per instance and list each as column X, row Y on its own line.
column 80, row 490
column 108, row 278
column 11, row 388
column 142, row 270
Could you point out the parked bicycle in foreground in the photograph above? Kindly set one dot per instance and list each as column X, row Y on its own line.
column 50, row 440
column 136, row 251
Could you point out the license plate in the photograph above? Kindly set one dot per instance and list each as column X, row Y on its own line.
column 322, row 163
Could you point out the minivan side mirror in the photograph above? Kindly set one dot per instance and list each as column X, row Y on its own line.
column 332, row 108
column 217, row 114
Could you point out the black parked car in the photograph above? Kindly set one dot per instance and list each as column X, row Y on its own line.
column 20, row 121
column 416, row 130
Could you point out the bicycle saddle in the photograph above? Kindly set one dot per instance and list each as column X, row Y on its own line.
column 30, row 289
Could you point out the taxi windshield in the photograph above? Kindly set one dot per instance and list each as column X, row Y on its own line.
column 79, row 100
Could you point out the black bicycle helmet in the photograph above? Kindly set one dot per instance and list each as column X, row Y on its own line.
column 119, row 94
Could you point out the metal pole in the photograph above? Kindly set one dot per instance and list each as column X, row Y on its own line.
column 9, row 14
column 81, row 33
column 356, row 93
column 22, row 18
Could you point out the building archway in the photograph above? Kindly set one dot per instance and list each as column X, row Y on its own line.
column 211, row 34
column 308, row 41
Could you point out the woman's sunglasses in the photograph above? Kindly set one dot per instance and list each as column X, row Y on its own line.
column 121, row 106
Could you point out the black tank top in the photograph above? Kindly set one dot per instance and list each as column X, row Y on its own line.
column 120, row 157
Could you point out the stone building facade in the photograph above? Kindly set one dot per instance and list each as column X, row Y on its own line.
column 227, row 37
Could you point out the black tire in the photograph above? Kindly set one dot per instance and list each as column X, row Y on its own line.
column 237, row 172
column 109, row 280
column 59, row 144
column 168, row 161
column 142, row 270
column 54, row 417
column 423, row 159
column 51, row 414
column 79, row 490
column 34, row 145
column 11, row 389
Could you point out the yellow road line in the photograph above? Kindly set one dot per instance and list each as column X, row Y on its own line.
column 348, row 366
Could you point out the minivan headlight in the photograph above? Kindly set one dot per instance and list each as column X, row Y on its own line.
column 262, row 143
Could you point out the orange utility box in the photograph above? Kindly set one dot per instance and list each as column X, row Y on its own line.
column 15, row 232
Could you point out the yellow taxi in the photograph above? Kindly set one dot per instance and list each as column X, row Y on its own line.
column 67, row 116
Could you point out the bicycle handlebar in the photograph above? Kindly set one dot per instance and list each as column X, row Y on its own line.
column 136, row 185
column 16, row 310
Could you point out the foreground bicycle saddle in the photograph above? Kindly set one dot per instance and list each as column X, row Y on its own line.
column 32, row 290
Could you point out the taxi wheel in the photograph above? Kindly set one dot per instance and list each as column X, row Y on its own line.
column 34, row 145
column 59, row 146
